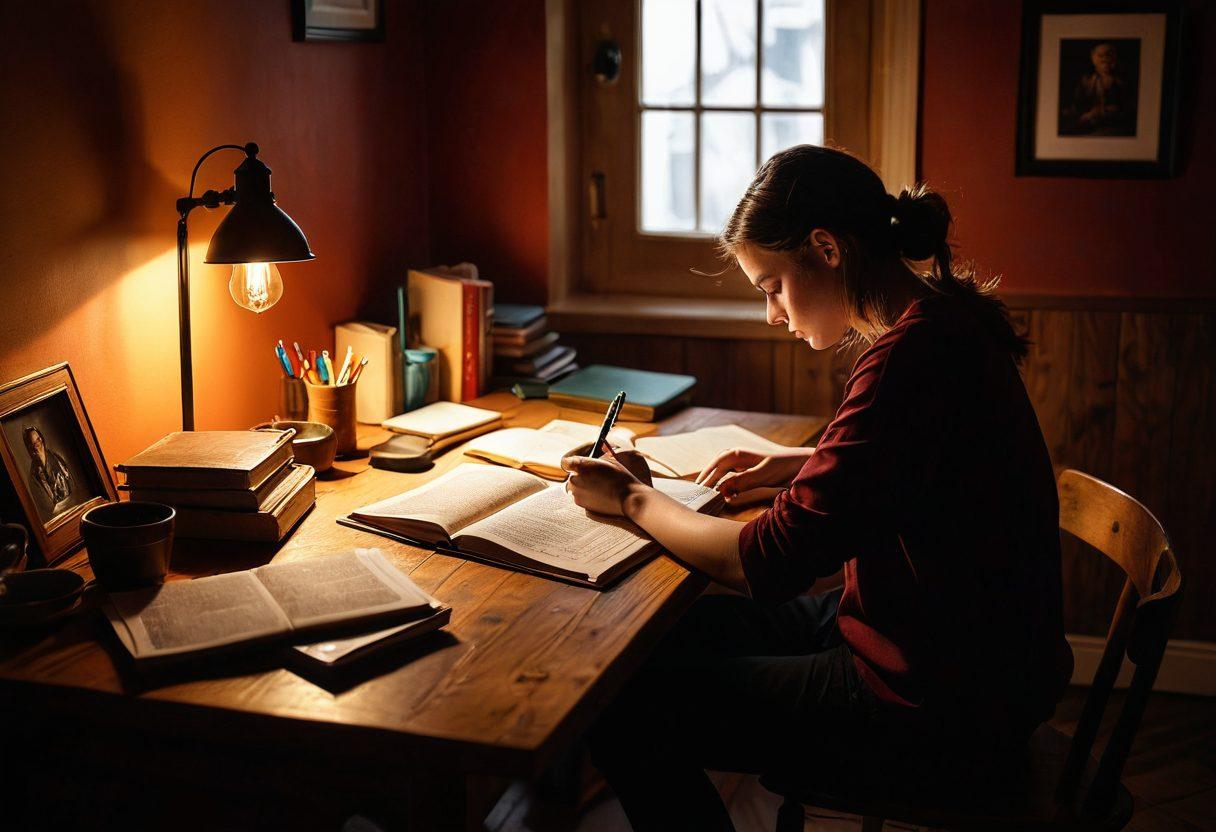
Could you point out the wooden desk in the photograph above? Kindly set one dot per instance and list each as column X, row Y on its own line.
column 525, row 665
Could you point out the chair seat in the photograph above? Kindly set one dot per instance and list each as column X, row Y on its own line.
column 914, row 788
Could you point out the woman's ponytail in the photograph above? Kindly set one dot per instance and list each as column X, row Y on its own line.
column 921, row 225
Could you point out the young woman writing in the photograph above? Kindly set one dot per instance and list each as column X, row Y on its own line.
column 931, row 488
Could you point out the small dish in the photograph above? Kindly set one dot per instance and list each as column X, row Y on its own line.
column 314, row 443
column 37, row 596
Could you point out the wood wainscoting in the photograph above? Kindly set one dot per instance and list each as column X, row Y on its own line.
column 1124, row 390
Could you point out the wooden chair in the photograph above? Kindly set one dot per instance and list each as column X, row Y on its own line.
column 1058, row 785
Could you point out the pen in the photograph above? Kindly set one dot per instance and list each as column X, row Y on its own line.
column 282, row 356
column 291, row 365
column 342, row 374
column 299, row 353
column 609, row 420
column 322, row 368
column 354, row 375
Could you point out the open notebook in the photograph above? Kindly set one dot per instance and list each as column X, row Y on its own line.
column 540, row 450
column 687, row 454
column 514, row 519
column 682, row 455
column 275, row 601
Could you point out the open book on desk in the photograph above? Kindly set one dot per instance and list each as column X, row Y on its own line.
column 540, row 450
column 514, row 519
column 687, row 454
column 277, row 601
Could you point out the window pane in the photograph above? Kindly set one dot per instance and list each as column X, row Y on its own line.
column 669, row 34
column 728, row 53
column 667, row 171
column 728, row 163
column 781, row 130
column 792, row 53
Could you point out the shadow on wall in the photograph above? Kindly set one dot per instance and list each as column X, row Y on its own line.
column 75, row 171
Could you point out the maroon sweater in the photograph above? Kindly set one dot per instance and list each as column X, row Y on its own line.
column 932, row 487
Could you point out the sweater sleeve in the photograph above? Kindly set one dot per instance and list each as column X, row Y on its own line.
column 846, row 492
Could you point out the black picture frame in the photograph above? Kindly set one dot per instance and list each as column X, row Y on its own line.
column 1031, row 161
column 304, row 26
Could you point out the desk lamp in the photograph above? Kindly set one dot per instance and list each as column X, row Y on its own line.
column 254, row 236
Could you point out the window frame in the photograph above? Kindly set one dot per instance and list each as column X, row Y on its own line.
column 871, row 45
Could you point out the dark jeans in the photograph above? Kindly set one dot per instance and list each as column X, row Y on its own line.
column 734, row 687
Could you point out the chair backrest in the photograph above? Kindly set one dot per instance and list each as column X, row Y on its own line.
column 1121, row 528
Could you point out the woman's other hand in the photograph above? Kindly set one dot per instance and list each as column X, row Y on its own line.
column 745, row 477
column 600, row 485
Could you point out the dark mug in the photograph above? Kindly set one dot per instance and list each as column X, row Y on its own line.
column 129, row 543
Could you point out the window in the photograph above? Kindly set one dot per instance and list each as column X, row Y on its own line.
column 716, row 100
column 646, row 168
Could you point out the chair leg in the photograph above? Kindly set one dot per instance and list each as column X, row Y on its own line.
column 791, row 817
column 869, row 823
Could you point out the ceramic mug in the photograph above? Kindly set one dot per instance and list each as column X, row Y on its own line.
column 421, row 383
column 129, row 543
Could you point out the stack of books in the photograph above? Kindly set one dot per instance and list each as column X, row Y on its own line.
column 225, row 484
column 525, row 350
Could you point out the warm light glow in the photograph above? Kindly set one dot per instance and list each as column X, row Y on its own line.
column 256, row 286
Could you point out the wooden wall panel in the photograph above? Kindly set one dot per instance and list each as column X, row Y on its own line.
column 1126, row 395
column 1190, row 513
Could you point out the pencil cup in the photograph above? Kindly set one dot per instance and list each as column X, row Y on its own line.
column 335, row 406
column 293, row 399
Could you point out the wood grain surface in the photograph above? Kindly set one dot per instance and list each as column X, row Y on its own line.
column 522, row 668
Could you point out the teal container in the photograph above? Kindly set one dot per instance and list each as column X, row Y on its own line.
column 421, row 382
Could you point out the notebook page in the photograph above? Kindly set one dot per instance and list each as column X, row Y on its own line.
column 688, row 453
column 619, row 436
column 549, row 528
column 340, row 586
column 441, row 419
column 462, row 496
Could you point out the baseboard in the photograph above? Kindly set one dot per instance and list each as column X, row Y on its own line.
column 1187, row 667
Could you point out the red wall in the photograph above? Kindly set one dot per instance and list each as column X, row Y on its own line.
column 486, row 130
column 485, row 74
column 1050, row 235
column 107, row 106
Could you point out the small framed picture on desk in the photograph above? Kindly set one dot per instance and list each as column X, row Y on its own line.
column 54, row 464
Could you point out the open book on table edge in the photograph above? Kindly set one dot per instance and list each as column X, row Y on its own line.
column 484, row 534
column 125, row 616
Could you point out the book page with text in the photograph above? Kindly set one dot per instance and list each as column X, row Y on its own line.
column 183, row 616
column 550, row 529
column 462, row 496
column 340, row 586
column 687, row 454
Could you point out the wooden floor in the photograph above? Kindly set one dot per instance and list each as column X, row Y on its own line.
column 1171, row 772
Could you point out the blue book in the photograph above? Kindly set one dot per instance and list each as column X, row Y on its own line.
column 648, row 396
column 516, row 315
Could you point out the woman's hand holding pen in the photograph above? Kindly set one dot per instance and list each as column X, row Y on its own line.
column 745, row 477
column 600, row 485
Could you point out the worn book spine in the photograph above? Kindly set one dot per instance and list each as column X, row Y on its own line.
column 269, row 525
column 251, row 499
column 470, row 350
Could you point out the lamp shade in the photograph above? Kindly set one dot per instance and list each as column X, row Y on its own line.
column 256, row 230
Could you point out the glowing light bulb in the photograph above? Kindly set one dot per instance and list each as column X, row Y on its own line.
column 256, row 286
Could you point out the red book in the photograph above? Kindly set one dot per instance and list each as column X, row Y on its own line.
column 470, row 359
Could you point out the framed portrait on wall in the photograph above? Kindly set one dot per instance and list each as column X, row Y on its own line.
column 53, row 464
column 337, row 20
column 1099, row 89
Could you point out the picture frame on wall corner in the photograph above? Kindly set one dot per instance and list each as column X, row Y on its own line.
column 1099, row 91
column 53, row 465
column 337, row 21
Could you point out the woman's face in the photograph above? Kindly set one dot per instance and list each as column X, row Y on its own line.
column 807, row 301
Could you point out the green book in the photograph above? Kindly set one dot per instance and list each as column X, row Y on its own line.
column 648, row 396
